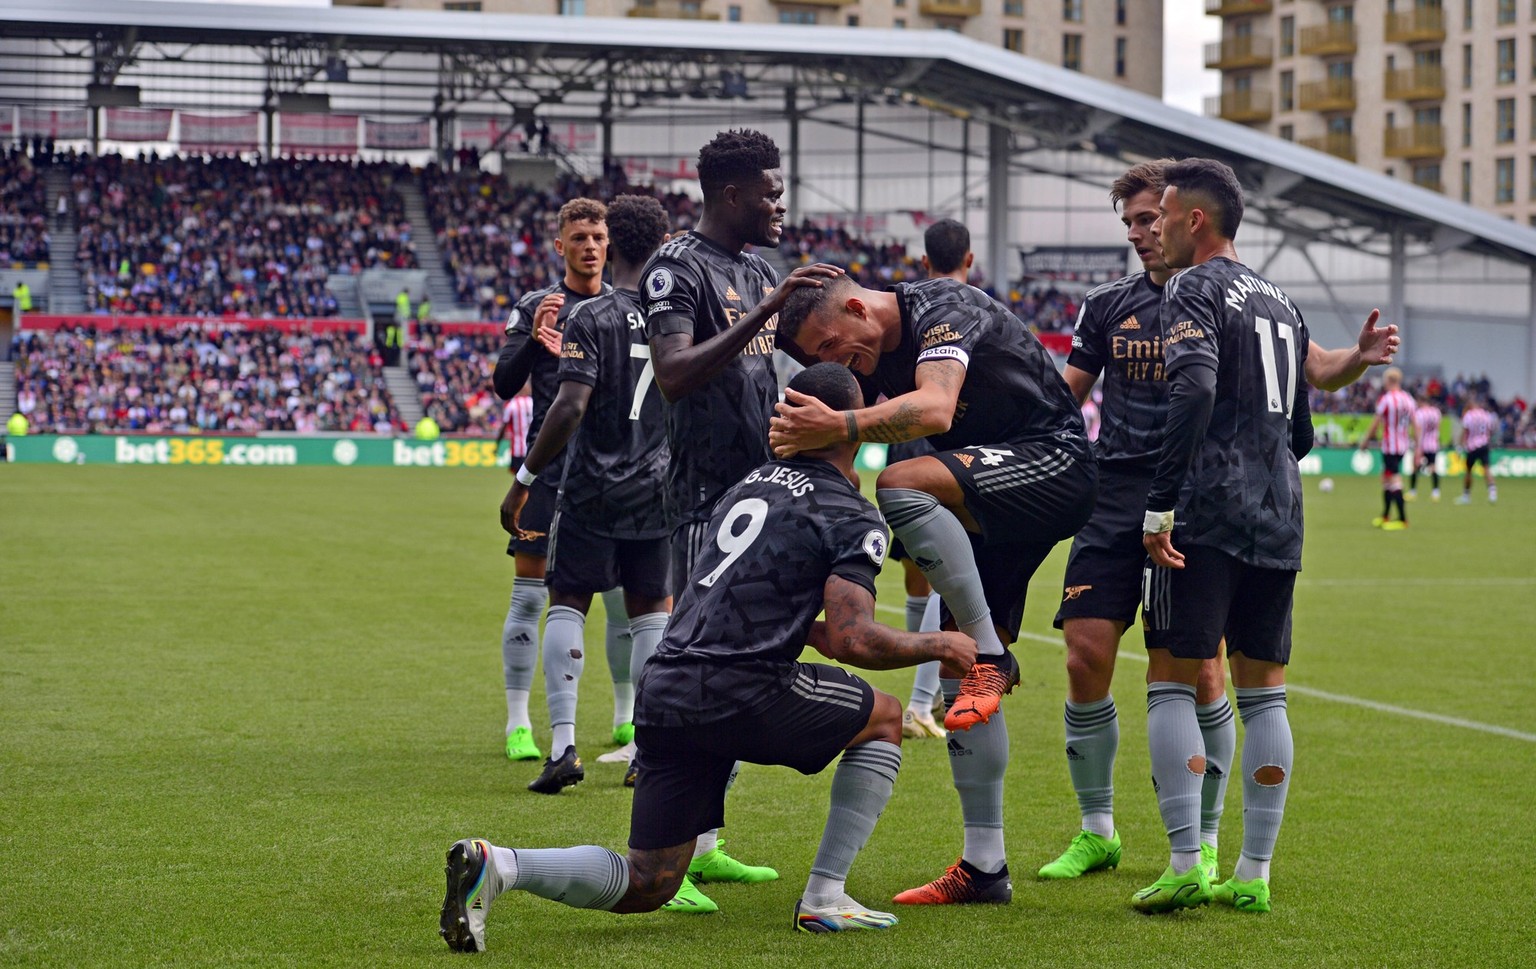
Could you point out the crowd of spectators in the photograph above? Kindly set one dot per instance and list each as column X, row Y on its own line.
column 1516, row 428
column 230, row 236
column 497, row 239
column 453, row 375
column 190, row 379
column 23, row 210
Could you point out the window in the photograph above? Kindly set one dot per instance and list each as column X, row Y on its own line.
column 1503, row 181
column 1466, row 65
column 1391, row 119
column 853, row 20
column 1287, row 132
column 1119, row 13
column 1466, row 125
column 1427, row 176
column 1506, row 11
column 1287, row 90
column 1427, row 116
column 1341, row 126
column 1507, row 61
column 1341, row 71
column 1504, row 126
column 1341, row 13
column 733, row 13
column 1466, row 181
column 1013, row 39
column 1533, row 177
column 1287, row 36
column 1013, row 8
column 1072, row 51
column 1072, row 11
column 473, row 6
column 900, row 24
column 797, row 17
column 1120, row 57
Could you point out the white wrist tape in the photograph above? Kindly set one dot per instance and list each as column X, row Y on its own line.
column 1157, row 522
column 526, row 478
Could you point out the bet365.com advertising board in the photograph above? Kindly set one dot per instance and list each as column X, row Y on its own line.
column 374, row 452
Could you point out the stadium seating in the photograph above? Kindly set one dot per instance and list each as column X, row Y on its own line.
column 452, row 369
column 187, row 378
column 24, row 236
column 226, row 236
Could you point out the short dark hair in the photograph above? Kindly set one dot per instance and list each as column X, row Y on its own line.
column 1146, row 176
column 734, row 156
column 831, row 383
column 946, row 242
column 804, row 303
column 582, row 210
column 637, row 224
column 1217, row 182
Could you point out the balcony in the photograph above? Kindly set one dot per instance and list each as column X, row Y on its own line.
column 1425, row 82
column 1249, row 50
column 1332, row 94
column 1244, row 107
column 1328, row 40
column 670, row 10
column 1421, row 25
column 1334, row 143
column 1237, row 8
column 950, row 8
column 1415, row 141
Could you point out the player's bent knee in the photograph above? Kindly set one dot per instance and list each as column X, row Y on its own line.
column 654, row 878
column 884, row 721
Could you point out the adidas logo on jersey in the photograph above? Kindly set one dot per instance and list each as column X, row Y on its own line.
column 1130, row 323
column 730, row 293
column 964, row 458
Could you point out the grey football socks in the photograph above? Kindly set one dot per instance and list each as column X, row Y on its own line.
column 646, row 632
column 861, row 786
column 916, row 606
column 925, row 678
column 1219, row 730
column 942, row 549
column 1268, row 755
column 978, row 759
column 586, row 876
column 520, row 646
column 1093, row 738
column 1178, row 767
column 617, row 644
column 564, row 657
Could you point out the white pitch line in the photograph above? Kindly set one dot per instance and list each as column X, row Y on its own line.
column 1353, row 701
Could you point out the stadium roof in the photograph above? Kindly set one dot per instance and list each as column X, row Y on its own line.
column 420, row 61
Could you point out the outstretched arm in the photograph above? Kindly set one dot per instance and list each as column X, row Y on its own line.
column 1336, row 369
column 851, row 635
column 805, row 423
column 564, row 416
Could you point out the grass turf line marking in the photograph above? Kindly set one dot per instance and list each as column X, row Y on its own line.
column 1353, row 701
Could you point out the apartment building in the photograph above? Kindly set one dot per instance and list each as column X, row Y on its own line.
column 1441, row 93
column 1114, row 40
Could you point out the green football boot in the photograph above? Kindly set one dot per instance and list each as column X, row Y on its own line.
column 1208, row 862
column 1088, row 852
column 1172, row 892
column 520, row 745
column 717, row 866
column 690, row 901
column 1248, row 896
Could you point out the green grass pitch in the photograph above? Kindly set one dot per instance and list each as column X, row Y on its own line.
column 243, row 713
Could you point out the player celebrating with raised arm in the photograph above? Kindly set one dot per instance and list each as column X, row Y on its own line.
column 610, row 529
column 707, row 303
column 583, row 246
column 1013, row 474
column 1227, row 478
column 1395, row 410
column 1119, row 332
column 793, row 538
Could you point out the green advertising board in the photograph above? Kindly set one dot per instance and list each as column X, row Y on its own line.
column 377, row 452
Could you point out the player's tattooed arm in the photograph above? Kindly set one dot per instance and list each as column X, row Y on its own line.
column 806, row 424
column 851, row 635
column 654, row 877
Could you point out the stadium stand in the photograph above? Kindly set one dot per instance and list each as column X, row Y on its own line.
column 24, row 238
column 186, row 378
column 452, row 367
column 227, row 236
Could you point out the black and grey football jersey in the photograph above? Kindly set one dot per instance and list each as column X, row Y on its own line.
column 719, row 432
column 1119, row 333
column 744, row 615
column 1012, row 390
column 522, row 347
column 615, row 467
column 1240, row 489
